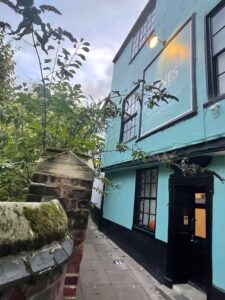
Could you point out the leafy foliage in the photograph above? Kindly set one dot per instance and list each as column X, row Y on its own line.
column 71, row 124
column 157, row 93
column 53, row 113
column 6, row 69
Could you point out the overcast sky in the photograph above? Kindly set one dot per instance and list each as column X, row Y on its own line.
column 103, row 23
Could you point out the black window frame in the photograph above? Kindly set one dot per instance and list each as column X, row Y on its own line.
column 142, row 33
column 126, row 118
column 213, row 95
column 140, row 198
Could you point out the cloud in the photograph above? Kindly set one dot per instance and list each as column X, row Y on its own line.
column 104, row 23
column 27, row 68
column 99, row 69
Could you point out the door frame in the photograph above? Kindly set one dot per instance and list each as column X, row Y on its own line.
column 174, row 181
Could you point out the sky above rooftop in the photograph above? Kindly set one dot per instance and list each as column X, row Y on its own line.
column 103, row 23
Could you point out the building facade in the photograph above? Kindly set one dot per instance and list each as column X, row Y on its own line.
column 171, row 223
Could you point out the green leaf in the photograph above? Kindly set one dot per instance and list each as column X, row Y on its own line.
column 50, row 47
column 85, row 49
column 60, row 63
column 69, row 36
column 81, row 56
column 48, row 60
column 50, row 8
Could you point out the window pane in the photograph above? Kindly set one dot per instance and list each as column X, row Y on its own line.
column 153, row 190
column 141, row 206
column 221, row 63
column 153, row 207
column 154, row 176
column 140, row 219
column 145, row 219
column 142, row 177
column 142, row 190
column 218, row 21
column 147, row 190
column 140, row 36
column 148, row 176
column 219, row 41
column 221, row 84
column 152, row 223
column 146, row 206
column 200, row 222
column 129, row 118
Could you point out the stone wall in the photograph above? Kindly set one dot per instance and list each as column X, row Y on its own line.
column 64, row 176
column 29, row 270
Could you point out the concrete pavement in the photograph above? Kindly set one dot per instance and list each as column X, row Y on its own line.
column 108, row 273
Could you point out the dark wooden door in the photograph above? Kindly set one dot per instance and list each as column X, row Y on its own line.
column 190, row 235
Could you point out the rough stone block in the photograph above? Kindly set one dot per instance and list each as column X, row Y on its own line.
column 66, row 203
column 40, row 178
column 33, row 198
column 80, row 194
column 84, row 204
column 43, row 190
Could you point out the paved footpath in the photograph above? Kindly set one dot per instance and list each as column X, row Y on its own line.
column 108, row 273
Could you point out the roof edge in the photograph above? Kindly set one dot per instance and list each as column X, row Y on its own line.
column 143, row 14
column 202, row 148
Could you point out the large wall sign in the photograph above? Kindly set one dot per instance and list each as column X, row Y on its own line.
column 174, row 66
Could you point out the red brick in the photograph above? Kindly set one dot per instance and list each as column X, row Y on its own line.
column 71, row 280
column 69, row 292
column 73, row 268
column 14, row 295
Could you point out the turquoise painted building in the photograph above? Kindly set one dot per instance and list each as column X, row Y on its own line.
column 173, row 224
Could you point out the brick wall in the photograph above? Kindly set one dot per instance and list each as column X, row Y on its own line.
column 74, row 194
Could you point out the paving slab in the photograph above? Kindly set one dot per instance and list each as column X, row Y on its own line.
column 109, row 273
column 89, row 252
column 121, row 277
column 99, row 292
column 90, row 277
column 189, row 292
column 92, row 265
column 130, row 291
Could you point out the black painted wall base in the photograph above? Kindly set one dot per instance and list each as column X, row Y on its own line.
column 96, row 215
column 143, row 247
column 217, row 293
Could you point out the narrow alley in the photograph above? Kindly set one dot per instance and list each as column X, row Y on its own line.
column 108, row 273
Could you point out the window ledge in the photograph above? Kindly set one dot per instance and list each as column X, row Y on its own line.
column 214, row 100
column 133, row 138
column 145, row 231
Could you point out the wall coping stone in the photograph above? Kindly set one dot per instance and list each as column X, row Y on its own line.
column 30, row 225
column 65, row 163
column 27, row 265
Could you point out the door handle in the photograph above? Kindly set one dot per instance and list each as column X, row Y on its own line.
column 193, row 240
